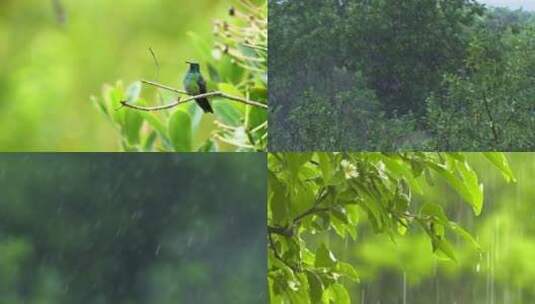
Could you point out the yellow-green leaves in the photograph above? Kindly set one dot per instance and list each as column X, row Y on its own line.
column 180, row 131
column 461, row 177
column 500, row 161
column 316, row 194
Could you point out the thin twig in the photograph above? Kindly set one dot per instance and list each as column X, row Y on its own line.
column 224, row 126
column 155, row 62
column 230, row 142
column 259, row 127
column 161, row 86
column 257, row 47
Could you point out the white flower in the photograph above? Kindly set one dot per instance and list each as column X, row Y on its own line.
column 350, row 170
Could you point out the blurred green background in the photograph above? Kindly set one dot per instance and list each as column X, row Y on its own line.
column 406, row 271
column 49, row 69
column 132, row 228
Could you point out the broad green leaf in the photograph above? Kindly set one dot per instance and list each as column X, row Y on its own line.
column 132, row 125
column 254, row 117
column 302, row 199
column 445, row 247
column 114, row 97
column 229, row 89
column 155, row 123
column 326, row 166
column 296, row 160
column 315, row 287
column 499, row 160
column 348, row 271
column 278, row 201
column 467, row 186
column 464, row 234
column 180, row 131
column 434, row 210
column 226, row 112
column 341, row 294
column 324, row 257
column 471, row 182
column 149, row 141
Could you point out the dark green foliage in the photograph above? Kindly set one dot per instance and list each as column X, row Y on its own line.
column 391, row 63
column 492, row 106
column 132, row 229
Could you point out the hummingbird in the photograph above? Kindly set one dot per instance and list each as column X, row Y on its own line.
column 194, row 84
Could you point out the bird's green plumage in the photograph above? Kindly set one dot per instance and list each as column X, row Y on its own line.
column 194, row 84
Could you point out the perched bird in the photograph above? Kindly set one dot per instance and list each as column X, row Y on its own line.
column 194, row 84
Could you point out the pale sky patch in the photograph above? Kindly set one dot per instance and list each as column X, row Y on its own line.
column 513, row 4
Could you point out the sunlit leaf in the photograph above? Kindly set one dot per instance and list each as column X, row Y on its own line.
column 499, row 160
column 180, row 131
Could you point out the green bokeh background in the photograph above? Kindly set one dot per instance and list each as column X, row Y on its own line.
column 49, row 70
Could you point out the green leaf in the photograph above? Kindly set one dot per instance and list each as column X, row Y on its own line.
column 133, row 120
column 302, row 198
column 445, row 247
column 467, row 186
column 499, row 160
column 155, row 123
column 229, row 89
column 464, row 234
column 348, row 271
column 226, row 112
column 180, row 131
column 471, row 182
column 277, row 200
column 114, row 96
column 341, row 296
column 149, row 141
column 324, row 257
column 209, row 146
column 315, row 287
column 296, row 160
column 132, row 125
column 434, row 210
column 326, row 167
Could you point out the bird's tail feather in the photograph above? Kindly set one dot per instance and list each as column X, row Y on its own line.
column 205, row 105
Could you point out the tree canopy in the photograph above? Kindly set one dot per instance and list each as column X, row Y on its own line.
column 387, row 75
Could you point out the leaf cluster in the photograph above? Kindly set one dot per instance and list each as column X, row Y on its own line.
column 310, row 194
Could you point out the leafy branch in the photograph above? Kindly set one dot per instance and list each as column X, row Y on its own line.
column 311, row 193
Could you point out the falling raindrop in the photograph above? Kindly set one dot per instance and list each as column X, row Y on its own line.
column 404, row 287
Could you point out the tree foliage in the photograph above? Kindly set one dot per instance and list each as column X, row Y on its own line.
column 416, row 68
column 312, row 193
column 132, row 228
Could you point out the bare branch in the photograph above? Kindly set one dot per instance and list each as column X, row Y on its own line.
column 161, row 86
column 190, row 98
